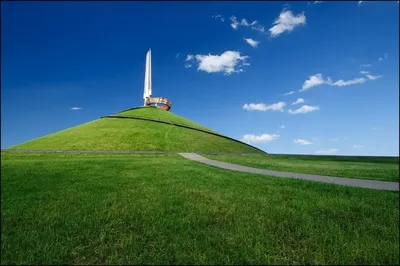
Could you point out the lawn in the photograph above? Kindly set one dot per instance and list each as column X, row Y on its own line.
column 163, row 209
column 376, row 168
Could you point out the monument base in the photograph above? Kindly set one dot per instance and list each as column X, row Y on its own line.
column 158, row 102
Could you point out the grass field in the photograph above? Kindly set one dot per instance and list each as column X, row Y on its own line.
column 130, row 134
column 163, row 209
column 375, row 168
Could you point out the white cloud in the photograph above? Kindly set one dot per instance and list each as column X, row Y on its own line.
column 342, row 82
column 330, row 151
column 360, row 3
column 304, row 109
column 299, row 100
column 302, row 142
column 219, row 16
column 250, row 138
column 313, row 81
column 235, row 24
column 282, row 126
column 252, row 42
column 366, row 65
column 358, row 146
column 228, row 62
column 334, row 139
column 76, row 108
column 317, row 2
column 286, row 22
column 370, row 77
column 317, row 80
column 263, row 107
column 189, row 58
column 385, row 56
column 258, row 27
column 288, row 93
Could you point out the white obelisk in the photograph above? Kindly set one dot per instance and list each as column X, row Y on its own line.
column 147, row 77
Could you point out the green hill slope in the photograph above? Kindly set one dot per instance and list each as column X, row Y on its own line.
column 159, row 114
column 133, row 134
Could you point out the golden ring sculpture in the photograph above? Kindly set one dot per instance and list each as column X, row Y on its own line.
column 166, row 104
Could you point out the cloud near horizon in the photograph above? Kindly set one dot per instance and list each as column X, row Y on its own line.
column 264, row 107
column 228, row 62
column 264, row 138
column 76, row 108
column 302, row 142
column 330, row 151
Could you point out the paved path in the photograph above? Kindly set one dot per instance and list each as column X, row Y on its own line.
column 363, row 183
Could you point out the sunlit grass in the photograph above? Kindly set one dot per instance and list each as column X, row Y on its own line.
column 163, row 209
column 377, row 168
column 137, row 135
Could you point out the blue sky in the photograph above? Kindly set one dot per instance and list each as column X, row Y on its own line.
column 226, row 65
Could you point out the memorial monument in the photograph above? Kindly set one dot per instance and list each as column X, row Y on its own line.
column 159, row 102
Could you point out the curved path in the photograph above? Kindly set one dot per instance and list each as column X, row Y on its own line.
column 363, row 183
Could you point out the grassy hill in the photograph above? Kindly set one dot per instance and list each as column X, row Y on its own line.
column 132, row 134
column 159, row 114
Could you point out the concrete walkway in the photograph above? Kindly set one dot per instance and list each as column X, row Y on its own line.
column 363, row 183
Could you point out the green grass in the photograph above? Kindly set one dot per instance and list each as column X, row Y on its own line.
column 163, row 209
column 159, row 114
column 130, row 134
column 376, row 168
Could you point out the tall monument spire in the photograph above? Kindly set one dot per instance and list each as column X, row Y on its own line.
column 158, row 102
column 147, row 77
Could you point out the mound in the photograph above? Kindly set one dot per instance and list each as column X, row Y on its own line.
column 139, row 129
column 160, row 114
